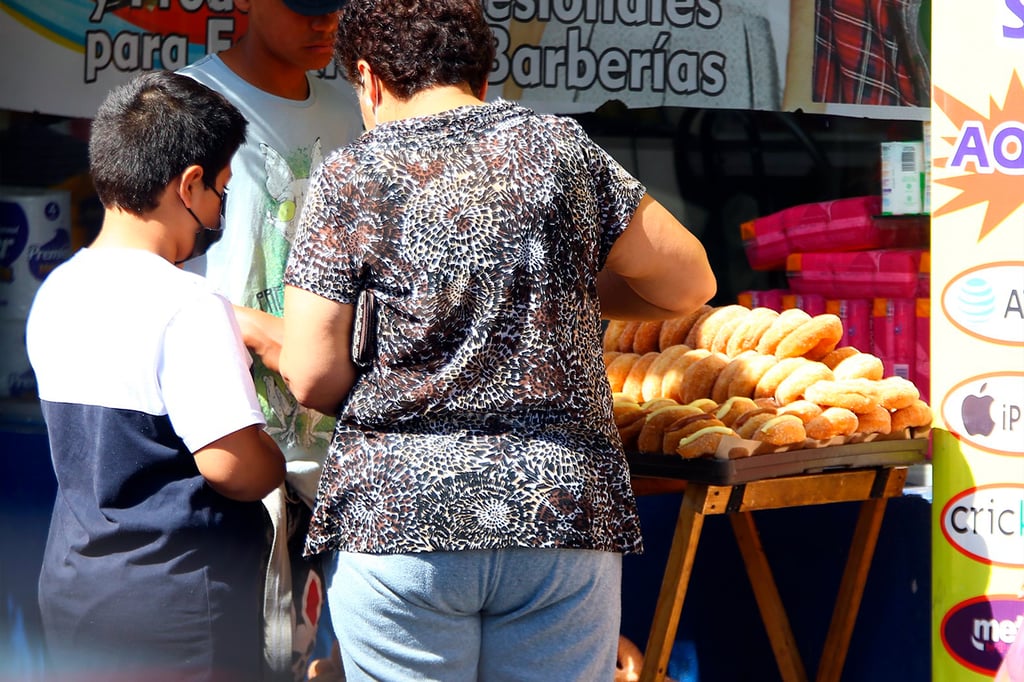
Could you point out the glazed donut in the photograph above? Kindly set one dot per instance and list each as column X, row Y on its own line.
column 674, row 331
column 704, row 405
column 831, row 423
column 649, row 406
column 653, row 431
column 683, row 427
column 706, row 327
column 750, row 330
column 814, row 339
column 876, row 419
column 646, row 338
column 752, row 370
column 802, row 408
column 654, row 378
column 618, row 369
column 702, row 443
column 787, row 321
column 629, row 420
column 629, row 661
column 836, row 356
column 634, row 381
column 747, row 423
column 792, row 387
column 699, row 378
column 626, row 336
column 672, row 385
column 726, row 329
column 915, row 415
column 733, row 407
column 776, row 374
column 895, row 392
column 609, row 355
column 780, row 430
column 857, row 395
column 720, row 390
column 612, row 332
column 859, row 366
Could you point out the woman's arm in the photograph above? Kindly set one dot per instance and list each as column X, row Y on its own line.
column 656, row 268
column 316, row 355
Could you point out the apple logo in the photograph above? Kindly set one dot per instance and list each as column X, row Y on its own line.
column 976, row 412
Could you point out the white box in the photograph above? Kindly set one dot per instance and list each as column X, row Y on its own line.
column 902, row 178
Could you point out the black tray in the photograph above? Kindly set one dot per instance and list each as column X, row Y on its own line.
column 876, row 453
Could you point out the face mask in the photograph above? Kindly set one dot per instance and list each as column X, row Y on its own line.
column 206, row 236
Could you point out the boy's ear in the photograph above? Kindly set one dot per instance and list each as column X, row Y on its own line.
column 187, row 181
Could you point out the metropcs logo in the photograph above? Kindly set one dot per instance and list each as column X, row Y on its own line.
column 978, row 632
column 987, row 524
column 988, row 151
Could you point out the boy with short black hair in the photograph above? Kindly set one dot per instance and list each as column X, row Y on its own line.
column 152, row 568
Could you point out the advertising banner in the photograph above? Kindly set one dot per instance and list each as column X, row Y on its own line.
column 977, row 334
column 850, row 57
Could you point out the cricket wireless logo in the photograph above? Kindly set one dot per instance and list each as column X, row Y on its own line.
column 979, row 631
column 987, row 411
column 987, row 524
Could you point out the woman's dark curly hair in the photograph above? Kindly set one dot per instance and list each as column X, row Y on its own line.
column 416, row 44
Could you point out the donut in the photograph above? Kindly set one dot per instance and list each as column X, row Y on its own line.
column 752, row 369
column 859, row 366
column 646, row 338
column 672, row 384
column 618, row 369
column 895, row 392
column 720, row 390
column 704, row 405
column 612, row 332
column 652, row 433
column 726, row 329
column 776, row 374
column 699, row 378
column 915, row 415
column 676, row 330
column 626, row 336
column 683, row 427
column 787, row 321
column 649, row 406
column 703, row 332
column 702, row 443
column 750, row 330
column 831, row 423
column 813, row 339
column 802, row 408
column 781, row 430
column 834, row 357
column 634, row 380
column 733, row 407
column 629, row 420
column 629, row 661
column 792, row 387
column 609, row 355
column 857, row 395
column 746, row 424
column 654, row 378
column 876, row 419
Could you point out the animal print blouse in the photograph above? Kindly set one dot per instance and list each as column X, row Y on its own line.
column 484, row 420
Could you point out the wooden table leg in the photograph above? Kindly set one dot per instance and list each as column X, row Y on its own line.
column 773, row 613
column 673, row 586
column 851, row 589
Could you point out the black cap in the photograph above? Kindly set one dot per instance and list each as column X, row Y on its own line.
column 312, row 8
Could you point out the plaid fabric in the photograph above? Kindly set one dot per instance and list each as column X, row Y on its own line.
column 869, row 52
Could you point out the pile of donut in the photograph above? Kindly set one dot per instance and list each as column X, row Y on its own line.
column 779, row 379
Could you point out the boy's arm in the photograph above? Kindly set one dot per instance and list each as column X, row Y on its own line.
column 262, row 334
column 245, row 465
column 657, row 269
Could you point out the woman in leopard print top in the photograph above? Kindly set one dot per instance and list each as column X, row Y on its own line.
column 475, row 491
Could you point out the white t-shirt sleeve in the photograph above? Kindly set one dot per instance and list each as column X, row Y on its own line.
column 204, row 375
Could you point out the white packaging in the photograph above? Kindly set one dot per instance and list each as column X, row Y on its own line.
column 926, row 129
column 35, row 237
column 902, row 177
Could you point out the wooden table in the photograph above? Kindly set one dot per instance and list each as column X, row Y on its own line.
column 871, row 487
